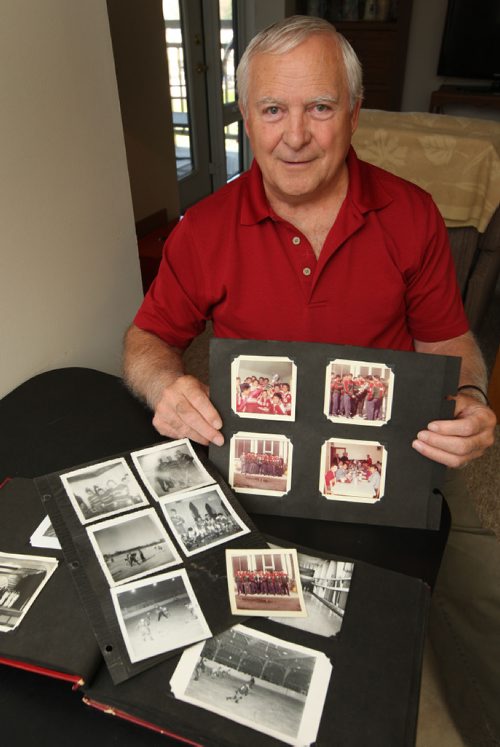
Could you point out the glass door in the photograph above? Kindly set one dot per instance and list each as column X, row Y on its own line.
column 202, row 52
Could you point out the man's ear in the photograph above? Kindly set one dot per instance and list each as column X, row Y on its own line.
column 355, row 116
column 244, row 116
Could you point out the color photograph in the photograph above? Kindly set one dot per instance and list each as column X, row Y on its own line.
column 358, row 392
column 260, row 463
column 263, row 387
column 264, row 582
column 352, row 470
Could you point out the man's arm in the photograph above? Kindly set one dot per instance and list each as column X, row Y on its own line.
column 456, row 442
column 153, row 371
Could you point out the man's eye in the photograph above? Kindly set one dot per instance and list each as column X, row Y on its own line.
column 322, row 108
column 272, row 110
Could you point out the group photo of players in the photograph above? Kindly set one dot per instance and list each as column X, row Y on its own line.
column 132, row 546
column 269, row 684
column 325, row 585
column 158, row 614
column 171, row 468
column 263, row 387
column 358, row 392
column 352, row 470
column 260, row 463
column 263, row 582
column 202, row 519
column 102, row 490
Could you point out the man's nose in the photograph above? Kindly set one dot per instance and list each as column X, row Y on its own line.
column 296, row 133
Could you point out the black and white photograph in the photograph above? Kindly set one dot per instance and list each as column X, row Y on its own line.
column 260, row 463
column 171, row 468
column 202, row 519
column 263, row 387
column 103, row 490
column 325, row 586
column 45, row 536
column 132, row 546
column 352, row 470
column 358, row 392
column 273, row 686
column 265, row 582
column 159, row 614
column 22, row 578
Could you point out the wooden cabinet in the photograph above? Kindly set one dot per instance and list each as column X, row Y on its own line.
column 381, row 47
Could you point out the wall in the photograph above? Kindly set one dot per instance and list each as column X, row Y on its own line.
column 138, row 36
column 69, row 271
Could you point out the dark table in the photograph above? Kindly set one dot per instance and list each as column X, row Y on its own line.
column 65, row 417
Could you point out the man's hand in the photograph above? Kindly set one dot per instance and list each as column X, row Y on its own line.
column 185, row 411
column 459, row 441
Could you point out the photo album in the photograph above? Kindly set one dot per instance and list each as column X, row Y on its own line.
column 276, row 640
column 325, row 431
column 144, row 536
column 143, row 578
column 298, row 680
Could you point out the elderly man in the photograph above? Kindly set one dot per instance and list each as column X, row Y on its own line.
column 313, row 215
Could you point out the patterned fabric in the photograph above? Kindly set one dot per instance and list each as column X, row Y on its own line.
column 456, row 159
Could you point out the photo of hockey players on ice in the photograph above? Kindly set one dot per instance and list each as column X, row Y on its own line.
column 267, row 684
column 264, row 582
column 358, row 392
column 352, row 470
column 22, row 578
column 260, row 463
column 202, row 519
column 103, row 490
column 325, row 586
column 171, row 468
column 263, row 387
column 158, row 614
column 132, row 546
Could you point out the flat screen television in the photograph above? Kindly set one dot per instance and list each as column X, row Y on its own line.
column 470, row 47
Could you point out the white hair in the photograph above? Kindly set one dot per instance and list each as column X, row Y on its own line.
column 285, row 35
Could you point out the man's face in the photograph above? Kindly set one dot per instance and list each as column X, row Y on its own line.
column 298, row 120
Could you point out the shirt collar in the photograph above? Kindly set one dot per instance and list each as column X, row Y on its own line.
column 365, row 191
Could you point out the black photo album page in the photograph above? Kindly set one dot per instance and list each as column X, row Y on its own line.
column 325, row 431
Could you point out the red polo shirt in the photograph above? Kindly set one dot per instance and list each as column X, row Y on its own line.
column 385, row 275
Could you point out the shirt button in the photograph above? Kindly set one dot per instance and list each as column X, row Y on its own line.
column 306, row 271
column 296, row 240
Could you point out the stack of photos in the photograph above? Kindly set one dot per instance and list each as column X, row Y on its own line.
column 141, row 528
column 273, row 686
column 355, row 393
column 22, row 578
column 45, row 536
